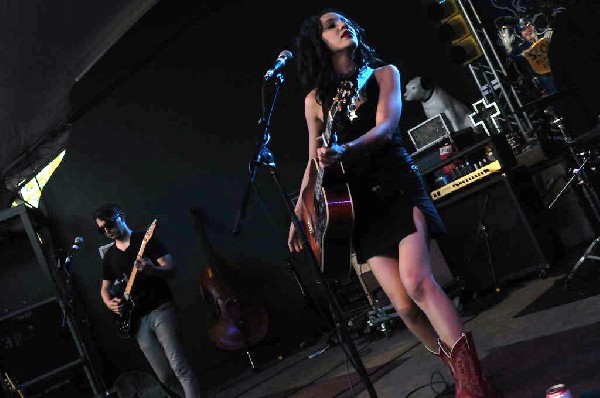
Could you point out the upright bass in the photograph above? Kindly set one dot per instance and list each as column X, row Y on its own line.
column 236, row 321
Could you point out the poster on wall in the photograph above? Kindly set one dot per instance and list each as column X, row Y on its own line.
column 522, row 31
column 499, row 13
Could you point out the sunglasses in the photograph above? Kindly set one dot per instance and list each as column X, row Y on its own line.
column 107, row 225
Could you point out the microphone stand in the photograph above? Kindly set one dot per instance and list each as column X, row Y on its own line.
column 587, row 189
column 74, row 319
column 264, row 157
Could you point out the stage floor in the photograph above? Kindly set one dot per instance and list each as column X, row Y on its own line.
column 523, row 355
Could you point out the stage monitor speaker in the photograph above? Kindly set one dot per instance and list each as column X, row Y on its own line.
column 36, row 341
column 490, row 238
column 72, row 382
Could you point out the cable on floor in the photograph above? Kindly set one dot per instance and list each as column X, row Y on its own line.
column 448, row 390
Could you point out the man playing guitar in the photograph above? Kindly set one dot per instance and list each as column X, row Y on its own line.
column 156, row 323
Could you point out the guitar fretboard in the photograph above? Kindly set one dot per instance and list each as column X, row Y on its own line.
column 345, row 93
column 134, row 271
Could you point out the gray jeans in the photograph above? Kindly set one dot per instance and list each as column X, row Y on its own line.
column 159, row 337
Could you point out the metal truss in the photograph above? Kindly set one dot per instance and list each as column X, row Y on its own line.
column 491, row 78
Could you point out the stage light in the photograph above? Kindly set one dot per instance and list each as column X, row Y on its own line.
column 455, row 28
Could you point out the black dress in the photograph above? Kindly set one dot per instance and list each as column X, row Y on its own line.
column 385, row 185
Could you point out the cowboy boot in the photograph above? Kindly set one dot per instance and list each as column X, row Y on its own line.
column 466, row 369
column 440, row 354
column 444, row 358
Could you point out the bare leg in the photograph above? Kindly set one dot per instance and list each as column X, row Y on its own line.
column 387, row 273
column 420, row 285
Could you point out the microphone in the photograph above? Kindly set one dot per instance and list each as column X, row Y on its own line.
column 283, row 57
column 76, row 245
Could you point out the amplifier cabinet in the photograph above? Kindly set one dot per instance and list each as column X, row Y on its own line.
column 39, row 352
column 430, row 132
column 467, row 163
column 71, row 382
column 492, row 235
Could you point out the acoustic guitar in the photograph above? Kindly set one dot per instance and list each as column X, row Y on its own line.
column 328, row 211
column 128, row 320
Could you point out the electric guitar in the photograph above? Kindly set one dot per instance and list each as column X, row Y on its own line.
column 328, row 211
column 13, row 386
column 128, row 319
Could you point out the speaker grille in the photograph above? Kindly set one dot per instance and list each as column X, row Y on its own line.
column 489, row 216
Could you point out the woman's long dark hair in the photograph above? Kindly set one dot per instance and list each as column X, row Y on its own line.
column 315, row 69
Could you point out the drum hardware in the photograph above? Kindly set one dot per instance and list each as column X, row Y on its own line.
column 583, row 160
column 550, row 108
column 380, row 314
column 545, row 101
column 381, row 318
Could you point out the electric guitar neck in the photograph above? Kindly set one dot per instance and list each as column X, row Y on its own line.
column 140, row 254
column 127, row 321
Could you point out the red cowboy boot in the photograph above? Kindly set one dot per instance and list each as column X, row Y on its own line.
column 444, row 358
column 466, row 369
column 440, row 354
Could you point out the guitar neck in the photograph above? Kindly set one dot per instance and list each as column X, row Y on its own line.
column 328, row 127
column 327, row 136
column 131, row 279
column 140, row 254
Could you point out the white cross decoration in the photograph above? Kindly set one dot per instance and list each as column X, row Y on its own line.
column 485, row 112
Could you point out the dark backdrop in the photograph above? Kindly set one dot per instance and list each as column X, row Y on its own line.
column 168, row 121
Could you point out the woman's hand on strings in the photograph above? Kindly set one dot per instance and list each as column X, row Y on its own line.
column 329, row 155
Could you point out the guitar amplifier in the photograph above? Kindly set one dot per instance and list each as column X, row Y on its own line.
column 428, row 157
column 432, row 131
column 31, row 331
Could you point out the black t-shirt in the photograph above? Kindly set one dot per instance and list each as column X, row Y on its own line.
column 150, row 291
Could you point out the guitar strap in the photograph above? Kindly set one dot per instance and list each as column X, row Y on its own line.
column 362, row 79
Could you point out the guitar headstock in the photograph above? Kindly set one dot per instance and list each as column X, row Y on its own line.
column 150, row 229
column 204, row 221
column 344, row 94
column 13, row 385
column 344, row 100
column 145, row 240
